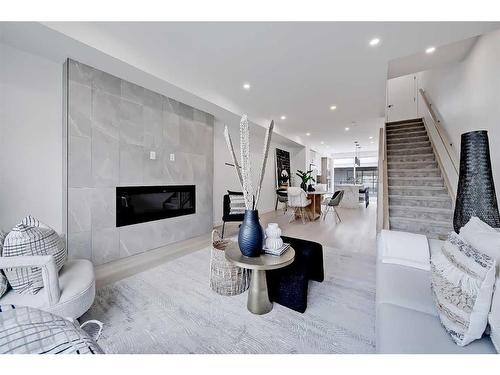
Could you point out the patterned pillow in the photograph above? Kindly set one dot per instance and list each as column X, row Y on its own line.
column 31, row 237
column 236, row 204
column 462, row 281
column 3, row 280
column 25, row 330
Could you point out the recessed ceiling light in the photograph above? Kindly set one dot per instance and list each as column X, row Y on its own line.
column 370, row 137
column 246, row 86
column 333, row 107
column 346, row 129
column 372, row 142
column 322, row 142
column 374, row 42
column 283, row 117
column 308, row 134
column 430, row 50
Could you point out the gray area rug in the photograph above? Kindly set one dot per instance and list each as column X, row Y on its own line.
column 171, row 309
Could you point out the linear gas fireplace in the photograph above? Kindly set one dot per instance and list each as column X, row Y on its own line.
column 138, row 204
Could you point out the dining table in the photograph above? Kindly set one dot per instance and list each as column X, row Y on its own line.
column 313, row 210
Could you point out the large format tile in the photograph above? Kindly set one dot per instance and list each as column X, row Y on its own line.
column 105, row 113
column 79, row 162
column 80, row 73
column 132, row 92
column 79, row 209
column 153, row 100
column 131, row 123
column 80, row 245
column 105, row 245
column 153, row 128
column 171, row 125
column 131, row 164
column 105, row 82
column 141, row 237
column 105, row 159
column 103, row 204
column 80, row 110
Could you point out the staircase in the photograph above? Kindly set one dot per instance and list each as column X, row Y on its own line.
column 418, row 198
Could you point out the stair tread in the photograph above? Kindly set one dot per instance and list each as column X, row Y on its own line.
column 420, row 197
column 412, row 169
column 421, row 221
column 417, row 187
column 424, row 209
column 411, row 156
column 431, row 178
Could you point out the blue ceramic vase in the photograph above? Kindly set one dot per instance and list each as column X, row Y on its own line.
column 251, row 235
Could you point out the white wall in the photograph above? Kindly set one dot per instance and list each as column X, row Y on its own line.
column 466, row 95
column 30, row 138
column 225, row 177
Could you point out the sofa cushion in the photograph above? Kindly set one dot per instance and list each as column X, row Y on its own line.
column 462, row 281
column 406, row 331
column 405, row 286
column 3, row 280
column 406, row 249
column 25, row 330
column 32, row 237
column 487, row 240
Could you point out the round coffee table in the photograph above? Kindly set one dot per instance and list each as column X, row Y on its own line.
column 258, row 296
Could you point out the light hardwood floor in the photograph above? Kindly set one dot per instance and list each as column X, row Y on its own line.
column 356, row 233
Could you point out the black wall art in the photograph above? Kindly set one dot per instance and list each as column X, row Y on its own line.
column 283, row 172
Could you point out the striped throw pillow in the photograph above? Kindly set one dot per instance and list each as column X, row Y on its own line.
column 32, row 237
column 462, row 281
column 25, row 330
column 3, row 280
column 236, row 204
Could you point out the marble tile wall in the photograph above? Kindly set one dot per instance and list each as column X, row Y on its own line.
column 112, row 127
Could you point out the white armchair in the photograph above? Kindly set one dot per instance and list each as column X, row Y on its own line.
column 68, row 293
column 297, row 199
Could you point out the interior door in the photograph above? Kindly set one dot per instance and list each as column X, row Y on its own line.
column 402, row 98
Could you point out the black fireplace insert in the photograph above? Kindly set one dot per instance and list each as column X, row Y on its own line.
column 138, row 204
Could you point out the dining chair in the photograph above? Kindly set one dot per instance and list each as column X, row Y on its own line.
column 282, row 197
column 297, row 199
column 333, row 203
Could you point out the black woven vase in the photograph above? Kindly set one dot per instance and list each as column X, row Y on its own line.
column 476, row 190
column 251, row 235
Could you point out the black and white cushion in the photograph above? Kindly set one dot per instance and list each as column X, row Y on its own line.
column 25, row 330
column 462, row 281
column 31, row 237
column 3, row 280
column 236, row 203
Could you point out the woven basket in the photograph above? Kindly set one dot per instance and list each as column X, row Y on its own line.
column 226, row 278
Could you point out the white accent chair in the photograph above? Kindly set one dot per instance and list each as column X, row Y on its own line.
column 68, row 293
column 297, row 199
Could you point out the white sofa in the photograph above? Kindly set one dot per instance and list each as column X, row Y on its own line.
column 407, row 321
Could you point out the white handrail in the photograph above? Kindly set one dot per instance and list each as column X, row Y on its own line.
column 442, row 135
column 444, row 149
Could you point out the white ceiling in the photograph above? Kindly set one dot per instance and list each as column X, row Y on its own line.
column 418, row 62
column 295, row 69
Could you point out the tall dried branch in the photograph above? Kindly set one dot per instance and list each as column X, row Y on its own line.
column 229, row 143
column 267, row 143
column 246, row 171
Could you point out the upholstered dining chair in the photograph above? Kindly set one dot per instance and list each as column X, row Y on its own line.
column 333, row 203
column 68, row 293
column 297, row 199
